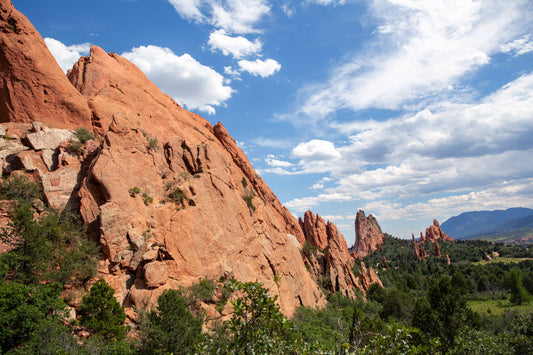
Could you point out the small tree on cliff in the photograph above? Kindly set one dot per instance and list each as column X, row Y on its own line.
column 101, row 313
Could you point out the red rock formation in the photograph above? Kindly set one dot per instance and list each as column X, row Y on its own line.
column 202, row 210
column 437, row 249
column 368, row 234
column 253, row 238
column 314, row 229
column 434, row 233
column 32, row 85
column 367, row 277
column 332, row 260
column 418, row 250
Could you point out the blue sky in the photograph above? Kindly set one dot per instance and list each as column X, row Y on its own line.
column 408, row 109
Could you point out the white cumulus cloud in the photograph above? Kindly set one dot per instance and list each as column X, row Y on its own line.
column 420, row 50
column 234, row 16
column 238, row 46
column 262, row 68
column 66, row 56
column 189, row 82
column 519, row 46
column 476, row 153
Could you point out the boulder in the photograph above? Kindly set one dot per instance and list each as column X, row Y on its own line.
column 59, row 185
column 155, row 274
column 49, row 138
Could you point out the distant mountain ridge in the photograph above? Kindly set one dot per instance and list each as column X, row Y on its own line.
column 481, row 223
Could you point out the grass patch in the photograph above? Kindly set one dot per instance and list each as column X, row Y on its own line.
column 502, row 260
column 498, row 307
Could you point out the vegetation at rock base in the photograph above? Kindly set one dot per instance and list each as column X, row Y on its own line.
column 170, row 327
column 101, row 313
column 83, row 135
column 479, row 303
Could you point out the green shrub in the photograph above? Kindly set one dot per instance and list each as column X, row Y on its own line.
column 153, row 143
column 278, row 278
column 248, row 196
column 134, row 191
column 18, row 187
column 203, row 290
column 75, row 146
column 84, row 135
column 177, row 196
column 147, row 199
column 309, row 249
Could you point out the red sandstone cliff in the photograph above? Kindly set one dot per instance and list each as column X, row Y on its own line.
column 368, row 234
column 202, row 210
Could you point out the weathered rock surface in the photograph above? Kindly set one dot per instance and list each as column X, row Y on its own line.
column 314, row 229
column 49, row 138
column 418, row 249
column 32, row 85
column 368, row 234
column 367, row 277
column 192, row 185
column 434, row 233
column 331, row 261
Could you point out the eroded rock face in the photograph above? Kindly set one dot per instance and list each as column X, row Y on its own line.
column 418, row 249
column 165, row 176
column 368, row 234
column 32, row 85
column 314, row 229
column 434, row 233
column 332, row 261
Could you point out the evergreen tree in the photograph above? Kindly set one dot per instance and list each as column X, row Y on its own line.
column 171, row 327
column 101, row 312
column 513, row 281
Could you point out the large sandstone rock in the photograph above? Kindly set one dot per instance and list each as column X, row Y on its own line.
column 186, row 193
column 368, row 234
column 314, row 229
column 32, row 85
column 434, row 232
column 332, row 262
